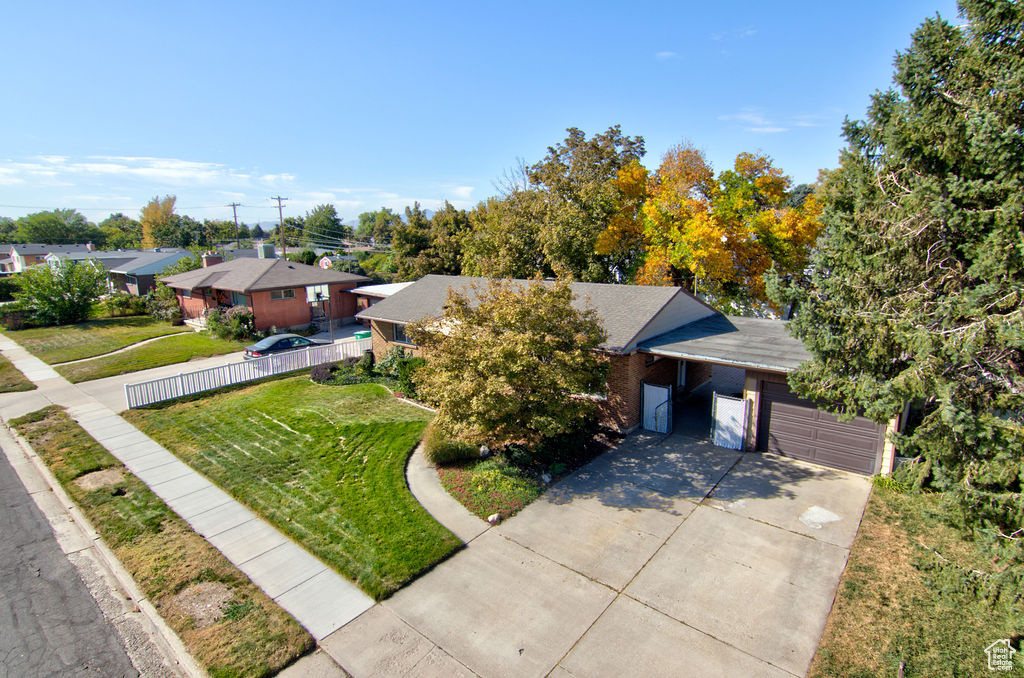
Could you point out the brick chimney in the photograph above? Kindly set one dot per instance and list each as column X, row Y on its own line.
column 211, row 259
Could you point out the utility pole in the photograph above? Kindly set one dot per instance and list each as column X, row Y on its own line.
column 234, row 209
column 280, row 214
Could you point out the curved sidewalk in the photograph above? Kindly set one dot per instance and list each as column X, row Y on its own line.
column 319, row 598
column 426, row 487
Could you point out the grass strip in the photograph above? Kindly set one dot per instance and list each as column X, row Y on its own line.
column 324, row 464
column 11, row 378
column 179, row 348
column 911, row 595
column 228, row 624
column 91, row 338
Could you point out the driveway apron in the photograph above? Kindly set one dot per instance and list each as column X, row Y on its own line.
column 665, row 556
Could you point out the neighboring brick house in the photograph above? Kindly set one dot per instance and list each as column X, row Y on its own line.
column 23, row 255
column 666, row 337
column 274, row 289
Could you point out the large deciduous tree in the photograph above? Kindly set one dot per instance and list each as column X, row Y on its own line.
column 58, row 227
column 917, row 290
column 510, row 362
column 60, row 294
column 157, row 215
column 323, row 228
column 719, row 234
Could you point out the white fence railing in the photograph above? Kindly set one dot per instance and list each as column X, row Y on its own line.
column 190, row 383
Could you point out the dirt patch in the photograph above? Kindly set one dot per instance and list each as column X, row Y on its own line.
column 204, row 602
column 98, row 479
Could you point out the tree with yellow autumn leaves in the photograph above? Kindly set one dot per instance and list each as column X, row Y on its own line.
column 716, row 235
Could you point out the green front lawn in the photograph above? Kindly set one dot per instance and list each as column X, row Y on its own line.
column 11, row 378
column 916, row 593
column 325, row 464
column 228, row 624
column 92, row 338
column 168, row 351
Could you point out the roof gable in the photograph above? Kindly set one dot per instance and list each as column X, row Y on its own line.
column 255, row 275
column 627, row 312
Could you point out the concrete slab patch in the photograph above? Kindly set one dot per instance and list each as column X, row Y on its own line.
column 754, row 586
column 198, row 502
column 604, row 543
column 220, row 519
column 517, row 612
column 247, row 540
column 163, row 473
column 325, row 603
column 631, row 639
column 377, row 643
column 178, row 487
column 282, row 568
column 440, row 664
column 316, row 665
column 779, row 491
column 151, row 461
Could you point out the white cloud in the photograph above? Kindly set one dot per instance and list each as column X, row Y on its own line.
column 461, row 192
column 754, row 120
column 664, row 56
column 734, row 34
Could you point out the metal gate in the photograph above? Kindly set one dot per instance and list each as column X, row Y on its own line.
column 730, row 421
column 657, row 408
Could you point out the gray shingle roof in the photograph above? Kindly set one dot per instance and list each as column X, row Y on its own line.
column 37, row 248
column 625, row 310
column 254, row 275
column 149, row 263
column 757, row 343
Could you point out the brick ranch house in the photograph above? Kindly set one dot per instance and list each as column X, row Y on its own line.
column 273, row 289
column 664, row 336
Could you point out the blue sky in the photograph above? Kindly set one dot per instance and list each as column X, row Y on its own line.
column 380, row 104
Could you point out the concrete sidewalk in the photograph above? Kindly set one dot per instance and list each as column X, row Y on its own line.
column 319, row 598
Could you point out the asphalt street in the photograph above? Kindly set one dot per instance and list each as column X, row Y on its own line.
column 49, row 623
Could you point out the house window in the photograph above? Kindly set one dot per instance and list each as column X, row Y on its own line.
column 276, row 295
column 187, row 294
column 239, row 299
column 400, row 335
column 132, row 280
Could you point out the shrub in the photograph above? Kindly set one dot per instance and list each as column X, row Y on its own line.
column 238, row 322
column 441, row 450
column 123, row 304
column 322, row 374
column 365, row 365
column 61, row 294
column 15, row 317
column 388, row 366
column 7, row 288
column 162, row 304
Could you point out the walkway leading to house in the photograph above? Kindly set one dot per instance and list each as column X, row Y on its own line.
column 666, row 556
column 319, row 598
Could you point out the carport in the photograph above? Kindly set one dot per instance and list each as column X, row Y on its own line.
column 752, row 356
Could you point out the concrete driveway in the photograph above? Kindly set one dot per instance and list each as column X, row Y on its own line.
column 666, row 556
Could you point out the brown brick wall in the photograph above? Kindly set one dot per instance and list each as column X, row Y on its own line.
column 622, row 409
column 697, row 373
column 382, row 339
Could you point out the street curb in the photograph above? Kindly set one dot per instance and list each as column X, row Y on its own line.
column 169, row 642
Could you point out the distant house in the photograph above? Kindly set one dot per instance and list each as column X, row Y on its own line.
column 274, row 289
column 130, row 271
column 24, row 255
column 664, row 344
column 368, row 295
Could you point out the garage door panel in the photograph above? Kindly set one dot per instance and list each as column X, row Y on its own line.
column 795, row 428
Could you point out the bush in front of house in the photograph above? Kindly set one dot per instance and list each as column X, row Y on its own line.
column 7, row 288
column 441, row 450
column 321, row 374
column 122, row 304
column 162, row 304
column 61, row 294
column 400, row 368
column 238, row 323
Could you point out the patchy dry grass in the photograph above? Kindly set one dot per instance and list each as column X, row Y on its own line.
column 11, row 378
column 92, row 338
column 893, row 607
column 324, row 464
column 249, row 636
column 168, row 351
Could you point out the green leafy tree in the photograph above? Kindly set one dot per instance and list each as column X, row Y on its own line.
column 509, row 363
column 323, row 227
column 378, row 225
column 257, row 232
column 65, row 226
column 183, row 265
column 8, row 230
column 578, row 179
column 60, row 294
column 410, row 239
column 305, row 256
column 121, row 232
column 917, row 290
column 504, row 240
